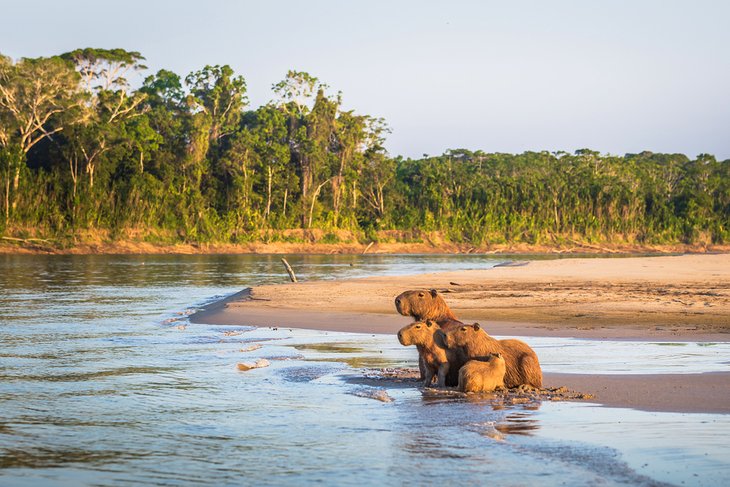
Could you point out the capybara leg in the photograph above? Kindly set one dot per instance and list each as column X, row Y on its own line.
column 443, row 370
column 532, row 371
column 421, row 368
column 429, row 377
column 460, row 385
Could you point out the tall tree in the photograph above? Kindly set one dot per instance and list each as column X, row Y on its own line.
column 38, row 98
column 349, row 134
column 110, row 104
column 318, row 152
column 271, row 144
column 295, row 94
column 220, row 95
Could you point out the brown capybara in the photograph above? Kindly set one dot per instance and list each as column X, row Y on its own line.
column 424, row 306
column 472, row 342
column 435, row 358
column 482, row 375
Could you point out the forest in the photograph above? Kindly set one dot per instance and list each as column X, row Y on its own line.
column 83, row 152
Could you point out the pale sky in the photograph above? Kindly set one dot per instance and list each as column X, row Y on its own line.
column 614, row 76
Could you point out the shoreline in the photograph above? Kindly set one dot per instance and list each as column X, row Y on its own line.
column 33, row 246
column 673, row 298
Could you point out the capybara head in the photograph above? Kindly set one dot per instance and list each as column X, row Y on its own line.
column 461, row 336
column 417, row 333
column 423, row 305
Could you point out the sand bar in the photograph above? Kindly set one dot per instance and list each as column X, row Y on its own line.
column 676, row 298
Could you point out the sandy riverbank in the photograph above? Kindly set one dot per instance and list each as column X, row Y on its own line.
column 650, row 298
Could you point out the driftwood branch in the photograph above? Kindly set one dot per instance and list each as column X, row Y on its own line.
column 367, row 248
column 289, row 270
column 13, row 239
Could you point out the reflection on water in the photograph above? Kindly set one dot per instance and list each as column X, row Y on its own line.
column 102, row 383
column 519, row 423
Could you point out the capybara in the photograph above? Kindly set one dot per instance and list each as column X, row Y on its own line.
column 472, row 342
column 424, row 306
column 435, row 358
column 482, row 375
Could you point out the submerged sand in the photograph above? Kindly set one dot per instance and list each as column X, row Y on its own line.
column 640, row 298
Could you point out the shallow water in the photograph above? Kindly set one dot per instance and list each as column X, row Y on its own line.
column 103, row 382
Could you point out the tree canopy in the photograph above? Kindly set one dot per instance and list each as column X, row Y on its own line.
column 187, row 159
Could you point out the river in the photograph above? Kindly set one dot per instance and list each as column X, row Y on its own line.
column 104, row 382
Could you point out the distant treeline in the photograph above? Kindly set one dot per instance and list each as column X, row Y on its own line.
column 189, row 161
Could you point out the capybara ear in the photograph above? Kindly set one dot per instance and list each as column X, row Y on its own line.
column 434, row 293
column 476, row 326
column 439, row 336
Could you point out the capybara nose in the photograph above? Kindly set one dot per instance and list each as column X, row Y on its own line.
column 397, row 301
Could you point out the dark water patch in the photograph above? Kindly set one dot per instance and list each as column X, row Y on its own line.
column 91, row 392
column 206, row 340
column 44, row 419
column 432, row 448
column 58, row 457
column 518, row 423
column 86, row 376
column 333, row 347
column 283, row 357
column 595, row 463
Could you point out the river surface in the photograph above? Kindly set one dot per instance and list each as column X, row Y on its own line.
column 104, row 382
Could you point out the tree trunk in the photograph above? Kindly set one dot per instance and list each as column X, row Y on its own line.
column 7, row 198
column 380, row 201
column 16, row 179
column 90, row 168
column 314, row 200
column 16, row 183
column 305, row 185
column 73, row 165
column 337, row 189
column 286, row 193
column 336, row 197
column 268, row 193
column 244, row 167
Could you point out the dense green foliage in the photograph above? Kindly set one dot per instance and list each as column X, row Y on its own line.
column 188, row 160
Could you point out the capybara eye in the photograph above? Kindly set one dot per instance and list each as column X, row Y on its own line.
column 463, row 328
column 418, row 326
column 420, row 295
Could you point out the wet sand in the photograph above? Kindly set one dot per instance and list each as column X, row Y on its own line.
column 675, row 298
column 677, row 393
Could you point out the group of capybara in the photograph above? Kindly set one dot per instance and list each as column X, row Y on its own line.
column 462, row 355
